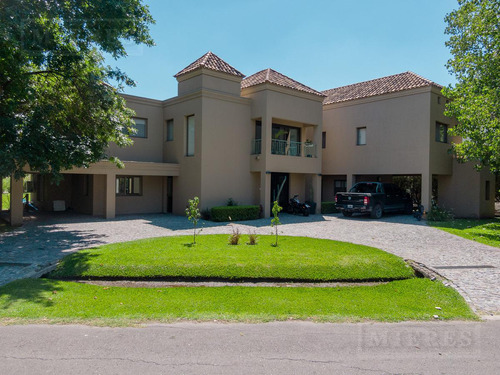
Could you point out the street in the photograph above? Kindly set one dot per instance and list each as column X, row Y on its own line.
column 271, row 348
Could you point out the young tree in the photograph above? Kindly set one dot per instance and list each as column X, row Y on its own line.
column 193, row 214
column 275, row 221
column 57, row 107
column 475, row 99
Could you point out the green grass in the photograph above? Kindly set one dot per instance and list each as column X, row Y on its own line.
column 5, row 201
column 484, row 231
column 54, row 301
column 296, row 258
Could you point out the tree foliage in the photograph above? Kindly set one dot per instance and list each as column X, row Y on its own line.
column 474, row 42
column 57, row 107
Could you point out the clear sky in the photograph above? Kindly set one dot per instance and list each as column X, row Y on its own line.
column 320, row 43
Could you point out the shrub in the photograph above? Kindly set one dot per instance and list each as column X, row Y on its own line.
column 235, row 213
column 234, row 238
column 206, row 214
column 252, row 238
column 439, row 214
column 328, row 208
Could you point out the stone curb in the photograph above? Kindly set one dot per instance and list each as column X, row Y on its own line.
column 35, row 274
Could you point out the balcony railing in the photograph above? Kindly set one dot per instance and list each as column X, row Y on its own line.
column 290, row 148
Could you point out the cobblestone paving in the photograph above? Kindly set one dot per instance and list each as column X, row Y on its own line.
column 45, row 239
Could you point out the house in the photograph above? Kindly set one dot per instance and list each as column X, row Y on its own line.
column 393, row 127
column 264, row 137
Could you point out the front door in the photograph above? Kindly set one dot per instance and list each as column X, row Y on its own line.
column 280, row 183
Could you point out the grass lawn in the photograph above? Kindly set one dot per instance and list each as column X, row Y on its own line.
column 5, row 201
column 55, row 301
column 296, row 258
column 485, row 231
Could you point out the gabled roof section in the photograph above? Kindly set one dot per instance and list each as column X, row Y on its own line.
column 213, row 62
column 276, row 78
column 379, row 86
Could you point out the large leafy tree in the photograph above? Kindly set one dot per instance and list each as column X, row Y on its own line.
column 474, row 42
column 58, row 109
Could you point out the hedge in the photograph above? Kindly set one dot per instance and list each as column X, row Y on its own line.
column 328, row 208
column 235, row 213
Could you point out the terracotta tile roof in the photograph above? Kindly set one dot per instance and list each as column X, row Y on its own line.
column 213, row 62
column 379, row 86
column 276, row 78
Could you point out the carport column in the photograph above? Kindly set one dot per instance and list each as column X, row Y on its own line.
column 110, row 208
column 426, row 194
column 16, row 202
column 349, row 181
column 316, row 185
column 265, row 193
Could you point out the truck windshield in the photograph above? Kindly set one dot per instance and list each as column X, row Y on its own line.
column 364, row 187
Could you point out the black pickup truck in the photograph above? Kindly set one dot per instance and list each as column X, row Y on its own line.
column 374, row 198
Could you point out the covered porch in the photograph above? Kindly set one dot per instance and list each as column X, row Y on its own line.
column 100, row 190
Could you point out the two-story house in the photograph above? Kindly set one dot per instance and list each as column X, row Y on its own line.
column 268, row 137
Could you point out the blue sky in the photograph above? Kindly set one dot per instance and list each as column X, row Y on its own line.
column 321, row 43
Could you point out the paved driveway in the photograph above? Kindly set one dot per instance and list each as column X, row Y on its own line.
column 474, row 268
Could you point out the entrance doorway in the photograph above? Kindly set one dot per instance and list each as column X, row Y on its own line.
column 280, row 186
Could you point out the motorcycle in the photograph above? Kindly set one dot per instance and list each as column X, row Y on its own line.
column 296, row 207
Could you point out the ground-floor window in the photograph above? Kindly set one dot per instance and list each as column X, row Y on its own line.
column 128, row 185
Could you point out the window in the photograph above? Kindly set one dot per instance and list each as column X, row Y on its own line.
column 140, row 127
column 441, row 132
column 439, row 100
column 487, row 191
column 361, row 136
column 323, row 140
column 170, row 130
column 190, row 136
column 128, row 185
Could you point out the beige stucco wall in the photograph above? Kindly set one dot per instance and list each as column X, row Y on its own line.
column 144, row 149
column 297, row 186
column 226, row 146
column 151, row 200
column 188, row 184
column 464, row 192
column 206, row 79
column 98, row 195
column 397, row 135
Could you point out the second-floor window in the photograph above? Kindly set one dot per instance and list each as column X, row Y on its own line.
column 170, row 130
column 323, row 140
column 361, row 136
column 441, row 132
column 141, row 125
column 190, row 136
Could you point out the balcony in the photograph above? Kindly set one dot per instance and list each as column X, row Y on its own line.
column 289, row 148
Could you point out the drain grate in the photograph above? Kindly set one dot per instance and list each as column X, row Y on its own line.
column 14, row 264
column 464, row 267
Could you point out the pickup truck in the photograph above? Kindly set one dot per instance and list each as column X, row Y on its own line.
column 374, row 198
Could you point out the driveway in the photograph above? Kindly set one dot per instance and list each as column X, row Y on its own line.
column 474, row 268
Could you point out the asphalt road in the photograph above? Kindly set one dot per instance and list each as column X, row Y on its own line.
column 272, row 348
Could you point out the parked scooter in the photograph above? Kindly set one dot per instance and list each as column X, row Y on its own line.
column 419, row 212
column 296, row 207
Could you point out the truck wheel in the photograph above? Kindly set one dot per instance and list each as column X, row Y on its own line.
column 376, row 212
column 346, row 213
